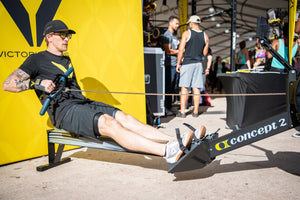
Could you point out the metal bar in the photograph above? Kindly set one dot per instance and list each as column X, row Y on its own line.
column 275, row 54
column 164, row 94
column 194, row 6
column 51, row 150
column 233, row 36
column 59, row 152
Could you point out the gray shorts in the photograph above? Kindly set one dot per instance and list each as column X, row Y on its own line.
column 83, row 118
column 191, row 75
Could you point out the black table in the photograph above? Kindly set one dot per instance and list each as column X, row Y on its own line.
column 243, row 111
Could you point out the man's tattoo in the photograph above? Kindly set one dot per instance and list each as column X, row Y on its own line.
column 22, row 85
column 21, row 74
column 18, row 79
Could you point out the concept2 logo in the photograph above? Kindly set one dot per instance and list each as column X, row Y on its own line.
column 20, row 16
column 251, row 135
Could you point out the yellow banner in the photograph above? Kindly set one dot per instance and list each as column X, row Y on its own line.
column 106, row 52
column 292, row 16
column 183, row 10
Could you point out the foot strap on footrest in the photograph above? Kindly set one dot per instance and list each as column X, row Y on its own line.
column 182, row 147
column 192, row 129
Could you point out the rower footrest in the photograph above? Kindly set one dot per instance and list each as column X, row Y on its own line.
column 197, row 157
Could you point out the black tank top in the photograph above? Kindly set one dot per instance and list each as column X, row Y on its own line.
column 194, row 47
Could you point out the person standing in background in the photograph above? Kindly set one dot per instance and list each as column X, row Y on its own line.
column 281, row 46
column 207, row 65
column 193, row 46
column 242, row 57
column 170, row 46
column 260, row 55
column 219, row 68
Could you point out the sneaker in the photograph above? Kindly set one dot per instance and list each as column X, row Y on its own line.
column 296, row 135
column 173, row 151
column 200, row 132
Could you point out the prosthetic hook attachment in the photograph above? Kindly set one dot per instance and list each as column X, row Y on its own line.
column 54, row 94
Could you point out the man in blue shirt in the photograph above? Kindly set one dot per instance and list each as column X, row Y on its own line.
column 170, row 45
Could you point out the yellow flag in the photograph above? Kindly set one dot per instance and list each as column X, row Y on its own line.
column 292, row 16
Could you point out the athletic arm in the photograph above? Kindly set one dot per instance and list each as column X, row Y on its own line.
column 298, row 48
column 205, row 49
column 297, row 26
column 246, row 53
column 237, row 58
column 275, row 46
column 209, row 62
column 18, row 81
column 169, row 51
column 181, row 50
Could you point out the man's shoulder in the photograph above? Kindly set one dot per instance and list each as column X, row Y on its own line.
column 33, row 57
column 38, row 55
column 167, row 33
column 186, row 33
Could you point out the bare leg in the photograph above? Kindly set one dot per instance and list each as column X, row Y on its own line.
column 110, row 127
column 183, row 99
column 196, row 92
column 139, row 128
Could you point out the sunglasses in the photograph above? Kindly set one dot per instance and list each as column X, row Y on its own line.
column 63, row 35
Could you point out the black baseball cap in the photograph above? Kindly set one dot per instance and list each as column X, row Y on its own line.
column 56, row 26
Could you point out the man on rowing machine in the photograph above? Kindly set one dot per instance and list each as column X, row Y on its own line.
column 75, row 113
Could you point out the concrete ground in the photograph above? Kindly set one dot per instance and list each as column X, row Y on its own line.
column 268, row 169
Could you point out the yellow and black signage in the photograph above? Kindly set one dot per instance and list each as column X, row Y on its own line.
column 106, row 52
column 250, row 134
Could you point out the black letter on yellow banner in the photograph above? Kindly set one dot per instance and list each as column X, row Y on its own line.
column 20, row 16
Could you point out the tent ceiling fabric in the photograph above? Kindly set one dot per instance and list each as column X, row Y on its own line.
column 220, row 42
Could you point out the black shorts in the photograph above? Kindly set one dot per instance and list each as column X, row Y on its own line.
column 82, row 118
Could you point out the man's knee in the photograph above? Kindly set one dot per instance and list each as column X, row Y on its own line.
column 107, row 125
column 184, row 89
column 123, row 117
column 196, row 90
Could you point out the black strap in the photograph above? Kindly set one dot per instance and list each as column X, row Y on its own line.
column 181, row 146
column 95, row 124
column 36, row 84
column 191, row 128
